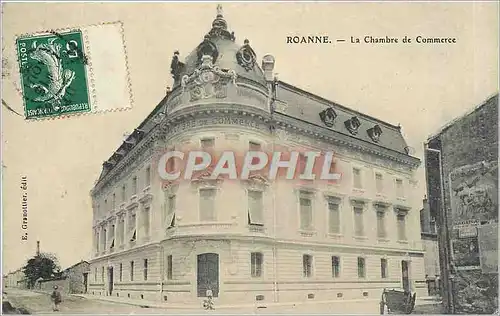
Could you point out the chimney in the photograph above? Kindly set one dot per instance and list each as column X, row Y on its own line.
column 268, row 62
column 38, row 248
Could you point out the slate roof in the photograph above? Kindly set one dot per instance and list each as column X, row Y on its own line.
column 305, row 106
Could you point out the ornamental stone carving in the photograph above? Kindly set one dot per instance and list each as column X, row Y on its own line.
column 246, row 56
column 208, row 81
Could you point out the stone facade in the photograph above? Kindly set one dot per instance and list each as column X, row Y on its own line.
column 430, row 244
column 165, row 241
column 462, row 167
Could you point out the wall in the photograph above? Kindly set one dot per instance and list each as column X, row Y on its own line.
column 76, row 278
column 149, row 289
column 465, row 144
column 62, row 284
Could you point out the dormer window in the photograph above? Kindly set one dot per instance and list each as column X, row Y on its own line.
column 352, row 125
column 375, row 133
column 246, row 56
column 207, row 48
column 328, row 116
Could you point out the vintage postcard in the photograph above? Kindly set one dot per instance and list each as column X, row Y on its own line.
column 77, row 70
column 253, row 158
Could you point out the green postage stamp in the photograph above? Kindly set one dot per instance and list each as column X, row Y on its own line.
column 73, row 71
column 53, row 75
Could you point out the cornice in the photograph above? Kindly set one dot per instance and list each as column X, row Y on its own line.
column 334, row 137
column 127, row 162
column 274, row 121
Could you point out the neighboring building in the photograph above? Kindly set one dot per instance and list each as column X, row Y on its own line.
column 462, row 182
column 15, row 279
column 255, row 240
column 73, row 280
column 429, row 241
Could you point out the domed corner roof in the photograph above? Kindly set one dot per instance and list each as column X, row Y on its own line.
column 226, row 53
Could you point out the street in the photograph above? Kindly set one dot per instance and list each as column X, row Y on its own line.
column 39, row 303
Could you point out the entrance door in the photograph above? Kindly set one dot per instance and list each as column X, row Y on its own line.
column 85, row 283
column 405, row 275
column 208, row 274
column 110, row 280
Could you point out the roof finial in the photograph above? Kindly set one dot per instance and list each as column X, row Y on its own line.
column 219, row 10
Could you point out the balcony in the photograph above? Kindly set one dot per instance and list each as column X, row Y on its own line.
column 256, row 229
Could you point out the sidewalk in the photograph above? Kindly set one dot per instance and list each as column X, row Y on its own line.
column 365, row 304
column 428, row 300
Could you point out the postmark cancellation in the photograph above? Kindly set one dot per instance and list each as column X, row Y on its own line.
column 68, row 71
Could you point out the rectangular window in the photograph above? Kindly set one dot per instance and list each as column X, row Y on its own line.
column 301, row 164
column 361, row 267
column 356, row 173
column 95, row 275
column 333, row 218
column 131, row 270
column 169, row 267
column 207, row 143
column 170, row 211
column 146, row 220
column 335, row 266
column 381, row 233
column 254, row 146
column 98, row 241
column 399, row 188
column 102, row 274
column 132, row 227
column 112, row 237
column 148, row 176
column 134, row 185
column 104, row 239
column 401, row 226
column 255, row 208
column 306, row 216
column 207, row 205
column 122, row 230
column 256, row 259
column 379, row 183
column 145, row 269
column 124, row 192
column 383, row 268
column 121, row 272
column 307, row 266
column 359, row 228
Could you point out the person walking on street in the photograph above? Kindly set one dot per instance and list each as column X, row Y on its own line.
column 56, row 299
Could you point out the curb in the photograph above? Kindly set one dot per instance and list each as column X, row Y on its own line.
column 149, row 304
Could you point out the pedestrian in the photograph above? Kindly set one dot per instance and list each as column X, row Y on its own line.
column 56, row 298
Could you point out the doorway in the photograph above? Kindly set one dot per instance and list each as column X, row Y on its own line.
column 110, row 280
column 405, row 275
column 208, row 274
column 85, row 283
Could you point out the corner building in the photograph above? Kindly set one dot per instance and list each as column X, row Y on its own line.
column 255, row 240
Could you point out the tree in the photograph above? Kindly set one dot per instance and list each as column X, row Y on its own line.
column 43, row 266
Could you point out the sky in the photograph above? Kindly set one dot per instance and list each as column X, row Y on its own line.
column 420, row 86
